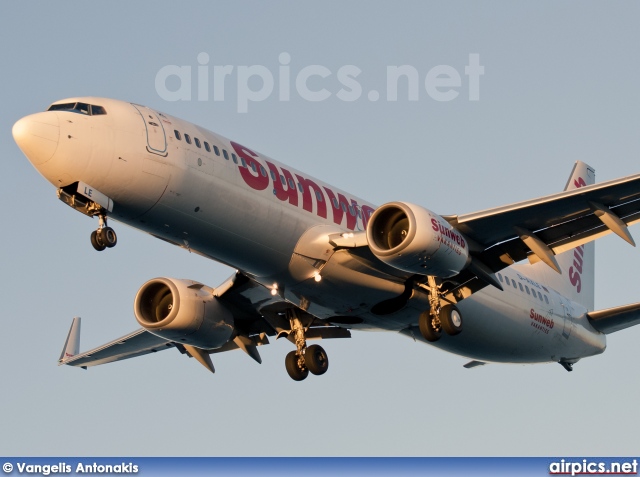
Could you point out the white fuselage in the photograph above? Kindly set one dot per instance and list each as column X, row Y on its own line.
column 250, row 212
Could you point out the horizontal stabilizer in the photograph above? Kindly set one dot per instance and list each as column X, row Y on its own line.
column 615, row 319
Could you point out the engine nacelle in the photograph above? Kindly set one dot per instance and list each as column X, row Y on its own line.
column 183, row 311
column 416, row 240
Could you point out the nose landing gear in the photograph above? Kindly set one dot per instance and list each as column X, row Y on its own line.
column 103, row 237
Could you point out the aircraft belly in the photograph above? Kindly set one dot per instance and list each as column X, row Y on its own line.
column 503, row 330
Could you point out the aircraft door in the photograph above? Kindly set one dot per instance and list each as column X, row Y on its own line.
column 568, row 318
column 154, row 129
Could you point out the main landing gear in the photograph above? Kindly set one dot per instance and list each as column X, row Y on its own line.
column 440, row 317
column 304, row 359
column 103, row 237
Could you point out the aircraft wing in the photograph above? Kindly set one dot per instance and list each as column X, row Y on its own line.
column 138, row 343
column 539, row 229
column 255, row 317
column 615, row 319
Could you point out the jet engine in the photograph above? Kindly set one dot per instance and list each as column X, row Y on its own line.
column 183, row 311
column 416, row 240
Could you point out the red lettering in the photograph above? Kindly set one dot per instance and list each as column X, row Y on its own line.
column 307, row 197
column 290, row 194
column 366, row 215
column 575, row 279
column 338, row 212
column 577, row 262
column 434, row 224
column 252, row 174
column 579, row 182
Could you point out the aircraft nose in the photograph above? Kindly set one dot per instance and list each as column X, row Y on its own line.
column 37, row 136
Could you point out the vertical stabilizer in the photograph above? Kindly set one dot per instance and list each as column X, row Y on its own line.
column 577, row 265
column 72, row 345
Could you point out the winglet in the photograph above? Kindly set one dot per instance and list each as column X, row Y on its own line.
column 72, row 344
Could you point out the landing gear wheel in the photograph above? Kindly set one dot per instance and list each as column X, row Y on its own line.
column 96, row 241
column 108, row 236
column 316, row 360
column 451, row 320
column 293, row 369
column 427, row 328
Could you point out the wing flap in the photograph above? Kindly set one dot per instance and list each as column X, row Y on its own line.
column 615, row 319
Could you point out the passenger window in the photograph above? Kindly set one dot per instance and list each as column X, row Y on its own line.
column 207, row 147
column 352, row 210
column 253, row 167
column 292, row 185
column 235, row 159
column 546, row 299
column 282, row 180
column 225, row 154
column 319, row 196
column 187, row 138
column 244, row 164
column 273, row 176
column 97, row 110
column 344, row 207
column 500, row 277
column 177, row 133
column 335, row 203
column 540, row 296
column 300, row 187
column 216, row 150
column 520, row 285
column 263, row 171
column 527, row 288
column 506, row 279
column 197, row 142
column 513, row 282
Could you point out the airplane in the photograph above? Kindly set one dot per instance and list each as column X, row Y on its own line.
column 315, row 262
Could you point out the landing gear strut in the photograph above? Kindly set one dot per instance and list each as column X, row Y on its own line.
column 103, row 237
column 439, row 317
column 304, row 360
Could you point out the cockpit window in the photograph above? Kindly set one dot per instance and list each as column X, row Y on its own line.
column 62, row 107
column 97, row 110
column 81, row 108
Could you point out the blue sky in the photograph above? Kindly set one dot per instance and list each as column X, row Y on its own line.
column 560, row 84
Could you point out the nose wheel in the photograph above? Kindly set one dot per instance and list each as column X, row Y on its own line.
column 103, row 237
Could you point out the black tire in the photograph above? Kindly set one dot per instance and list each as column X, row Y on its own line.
column 428, row 331
column 294, row 371
column 108, row 237
column 451, row 320
column 316, row 360
column 96, row 241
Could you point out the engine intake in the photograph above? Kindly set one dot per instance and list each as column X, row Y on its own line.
column 414, row 239
column 184, row 311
